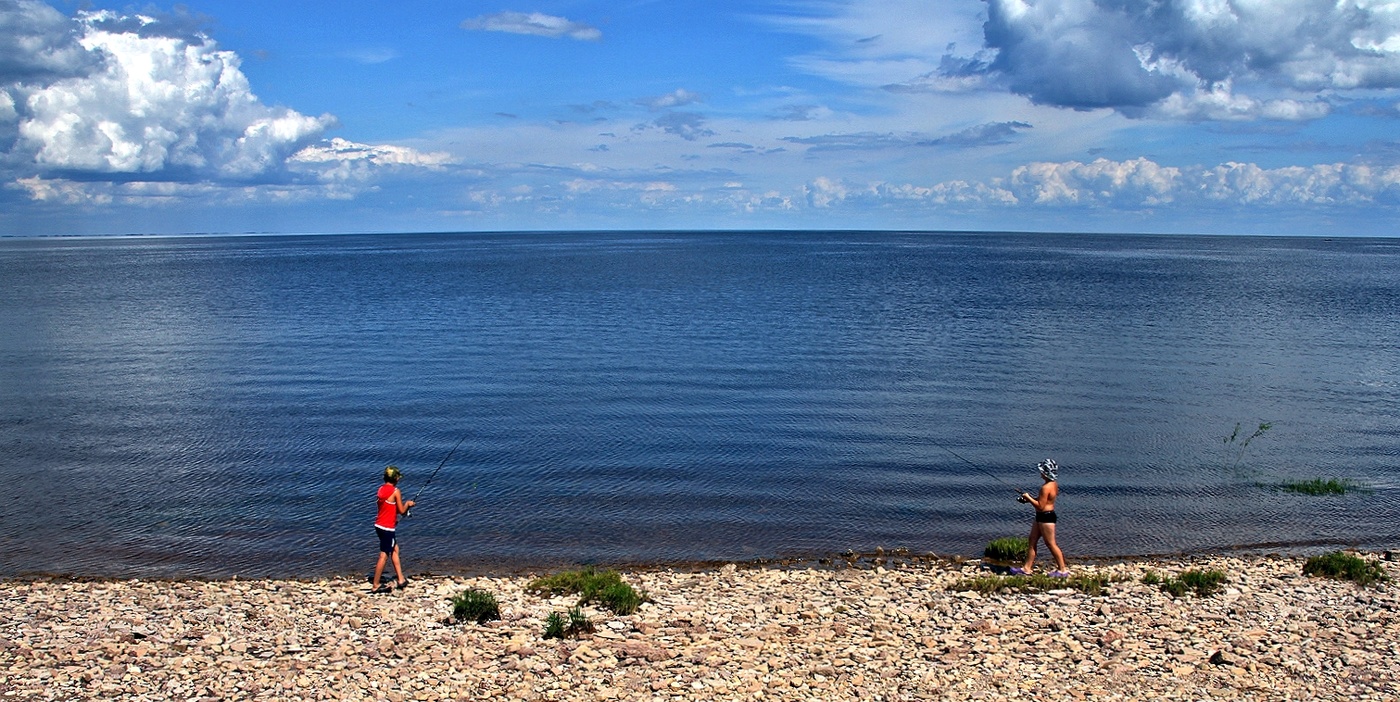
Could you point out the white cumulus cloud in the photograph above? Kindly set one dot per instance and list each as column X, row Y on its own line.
column 105, row 108
column 349, row 166
column 1170, row 59
column 37, row 43
column 1197, row 59
column 1135, row 182
column 145, row 103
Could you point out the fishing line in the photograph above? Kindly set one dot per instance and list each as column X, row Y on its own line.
column 443, row 462
column 974, row 465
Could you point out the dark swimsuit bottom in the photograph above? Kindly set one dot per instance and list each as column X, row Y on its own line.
column 386, row 539
column 1046, row 517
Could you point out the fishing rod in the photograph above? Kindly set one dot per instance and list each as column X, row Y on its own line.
column 990, row 474
column 443, row 462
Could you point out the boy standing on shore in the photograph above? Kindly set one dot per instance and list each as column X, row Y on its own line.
column 391, row 504
column 1044, row 525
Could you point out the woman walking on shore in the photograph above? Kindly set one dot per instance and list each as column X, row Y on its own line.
column 1044, row 525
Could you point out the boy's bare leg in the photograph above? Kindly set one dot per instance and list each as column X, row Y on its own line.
column 379, row 568
column 398, row 569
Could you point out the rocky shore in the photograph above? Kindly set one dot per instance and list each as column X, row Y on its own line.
column 874, row 629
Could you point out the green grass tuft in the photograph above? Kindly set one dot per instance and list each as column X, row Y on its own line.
column 475, row 605
column 1039, row 582
column 1319, row 486
column 571, row 625
column 554, row 625
column 1344, row 566
column 604, row 588
column 1007, row 549
column 1202, row 582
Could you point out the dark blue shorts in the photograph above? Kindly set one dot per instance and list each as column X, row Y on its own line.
column 387, row 544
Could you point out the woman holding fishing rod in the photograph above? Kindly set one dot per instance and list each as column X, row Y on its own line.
column 1043, row 528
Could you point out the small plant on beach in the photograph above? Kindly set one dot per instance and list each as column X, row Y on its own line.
column 1319, row 486
column 1202, row 582
column 555, row 625
column 1008, row 549
column 571, row 625
column 1345, row 566
column 604, row 588
column 475, row 605
column 1039, row 582
column 1151, row 577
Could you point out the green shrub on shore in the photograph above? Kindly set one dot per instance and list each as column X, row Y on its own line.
column 1008, row 549
column 1344, row 566
column 1319, row 486
column 475, row 605
column 604, row 588
column 1202, row 582
column 1038, row 582
column 572, row 625
column 620, row 597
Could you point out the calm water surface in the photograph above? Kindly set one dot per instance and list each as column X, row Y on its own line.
column 211, row 406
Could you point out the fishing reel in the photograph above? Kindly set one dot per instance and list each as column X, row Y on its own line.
column 1022, row 499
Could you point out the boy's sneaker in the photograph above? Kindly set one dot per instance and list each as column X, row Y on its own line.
column 382, row 590
column 403, row 584
column 1059, row 574
column 1017, row 571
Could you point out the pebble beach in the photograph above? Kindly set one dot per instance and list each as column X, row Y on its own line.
column 864, row 628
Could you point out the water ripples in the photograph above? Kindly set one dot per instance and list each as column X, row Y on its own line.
column 218, row 406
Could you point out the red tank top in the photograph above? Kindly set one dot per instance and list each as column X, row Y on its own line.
column 388, row 511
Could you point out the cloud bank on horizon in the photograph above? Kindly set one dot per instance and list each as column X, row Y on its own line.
column 1172, row 115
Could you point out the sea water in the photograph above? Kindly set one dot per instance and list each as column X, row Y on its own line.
column 206, row 406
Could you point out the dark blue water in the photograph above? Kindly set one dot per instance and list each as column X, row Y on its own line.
column 207, row 406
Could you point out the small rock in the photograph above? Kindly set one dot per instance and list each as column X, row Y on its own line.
column 1223, row 658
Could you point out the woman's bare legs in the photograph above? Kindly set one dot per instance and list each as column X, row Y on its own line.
column 1031, row 546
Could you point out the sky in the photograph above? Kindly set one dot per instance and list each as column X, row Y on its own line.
column 1173, row 116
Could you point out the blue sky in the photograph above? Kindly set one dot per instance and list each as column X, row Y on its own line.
column 1208, row 116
